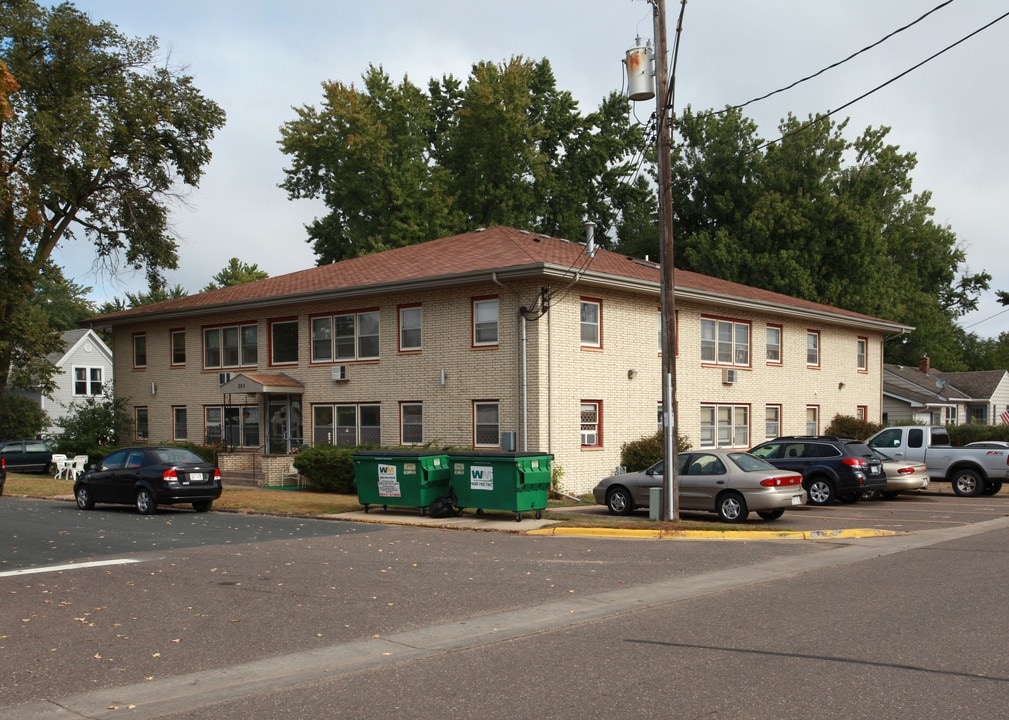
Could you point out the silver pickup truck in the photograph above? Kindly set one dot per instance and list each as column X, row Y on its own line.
column 973, row 470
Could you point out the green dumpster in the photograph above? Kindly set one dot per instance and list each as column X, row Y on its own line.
column 491, row 480
column 400, row 477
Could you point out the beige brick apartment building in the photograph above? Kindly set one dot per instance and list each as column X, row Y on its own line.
column 462, row 340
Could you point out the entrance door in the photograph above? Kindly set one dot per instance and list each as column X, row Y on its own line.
column 285, row 431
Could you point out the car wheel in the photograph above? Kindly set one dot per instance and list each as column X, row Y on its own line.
column 619, row 501
column 820, row 491
column 146, row 504
column 967, row 483
column 732, row 508
column 993, row 487
column 82, row 494
column 202, row 505
column 771, row 514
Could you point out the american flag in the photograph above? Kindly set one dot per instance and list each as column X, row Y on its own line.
column 1004, row 417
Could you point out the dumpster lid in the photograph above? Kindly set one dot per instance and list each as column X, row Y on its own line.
column 396, row 453
column 503, row 454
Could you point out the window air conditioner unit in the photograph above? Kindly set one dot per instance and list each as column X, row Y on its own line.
column 729, row 376
column 338, row 372
column 223, row 377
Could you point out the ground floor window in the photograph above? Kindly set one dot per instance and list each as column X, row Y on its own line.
column 347, row 425
column 411, row 418
column 486, row 424
column 772, row 421
column 591, row 421
column 231, row 425
column 141, row 423
column 812, row 420
column 180, row 431
column 725, row 426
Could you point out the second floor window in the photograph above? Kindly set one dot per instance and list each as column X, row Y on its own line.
column 284, row 342
column 591, row 323
column 812, row 348
column 410, row 328
column 725, row 342
column 139, row 351
column 230, row 346
column 351, row 336
column 862, row 354
column 178, row 347
column 87, row 381
column 485, row 322
column 774, row 344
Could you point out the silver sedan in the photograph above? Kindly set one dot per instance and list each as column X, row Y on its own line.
column 901, row 476
column 730, row 483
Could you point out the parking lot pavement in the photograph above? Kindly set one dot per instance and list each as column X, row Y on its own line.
column 936, row 508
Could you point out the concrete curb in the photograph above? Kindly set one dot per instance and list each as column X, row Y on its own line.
column 847, row 534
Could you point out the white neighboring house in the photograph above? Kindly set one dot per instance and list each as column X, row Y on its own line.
column 83, row 368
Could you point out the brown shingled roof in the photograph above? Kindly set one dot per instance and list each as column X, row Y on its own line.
column 497, row 249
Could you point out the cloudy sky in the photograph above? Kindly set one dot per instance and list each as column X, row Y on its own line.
column 259, row 59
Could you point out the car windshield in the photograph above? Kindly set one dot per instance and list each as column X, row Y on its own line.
column 177, row 456
column 858, row 449
column 749, row 463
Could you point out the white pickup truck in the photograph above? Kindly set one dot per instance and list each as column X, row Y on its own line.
column 973, row 471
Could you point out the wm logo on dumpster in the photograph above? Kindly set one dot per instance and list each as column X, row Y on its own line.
column 481, row 477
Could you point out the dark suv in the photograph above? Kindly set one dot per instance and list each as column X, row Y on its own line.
column 833, row 468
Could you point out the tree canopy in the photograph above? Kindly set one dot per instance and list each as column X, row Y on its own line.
column 823, row 218
column 396, row 165
column 95, row 140
column 236, row 272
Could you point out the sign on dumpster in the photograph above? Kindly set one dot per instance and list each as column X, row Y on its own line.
column 481, row 477
column 388, row 484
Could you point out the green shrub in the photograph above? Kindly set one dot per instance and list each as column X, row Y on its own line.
column 963, row 434
column 328, row 468
column 849, row 426
column 21, row 417
column 640, row 454
column 95, row 425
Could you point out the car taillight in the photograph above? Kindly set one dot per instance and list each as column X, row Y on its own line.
column 855, row 462
column 3, row 463
column 170, row 474
column 782, row 480
column 905, row 471
column 217, row 474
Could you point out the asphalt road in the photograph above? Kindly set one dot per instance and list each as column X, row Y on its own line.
column 231, row 616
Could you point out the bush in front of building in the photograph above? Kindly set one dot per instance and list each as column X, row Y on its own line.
column 328, row 468
column 849, row 426
column 95, row 425
column 640, row 454
column 21, row 417
column 963, row 434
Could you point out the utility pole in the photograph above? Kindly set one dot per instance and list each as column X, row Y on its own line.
column 663, row 128
column 639, row 88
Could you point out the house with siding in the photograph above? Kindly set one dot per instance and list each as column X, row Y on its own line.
column 925, row 395
column 83, row 367
column 492, row 336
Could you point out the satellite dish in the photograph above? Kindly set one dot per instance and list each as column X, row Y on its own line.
column 941, row 383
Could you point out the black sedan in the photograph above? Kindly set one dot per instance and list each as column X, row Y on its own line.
column 147, row 477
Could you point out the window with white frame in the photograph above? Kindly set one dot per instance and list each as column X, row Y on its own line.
column 862, row 354
column 725, row 342
column 180, row 424
column 178, row 338
column 140, row 351
column 87, row 381
column 284, row 342
column 772, row 421
column 773, row 344
column 485, row 322
column 486, row 424
column 813, row 348
column 812, row 420
column 411, row 419
column 862, row 413
column 347, row 425
column 725, row 426
column 348, row 336
column 230, row 346
column 591, row 323
column 232, row 425
column 140, row 423
column 591, row 423
column 410, row 335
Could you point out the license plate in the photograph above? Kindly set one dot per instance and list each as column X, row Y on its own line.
column 195, row 477
column 875, row 469
column 797, row 499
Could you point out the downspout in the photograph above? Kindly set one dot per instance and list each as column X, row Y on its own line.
column 521, row 370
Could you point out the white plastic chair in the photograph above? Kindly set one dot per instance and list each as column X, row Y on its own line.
column 77, row 466
column 60, row 466
column 292, row 474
